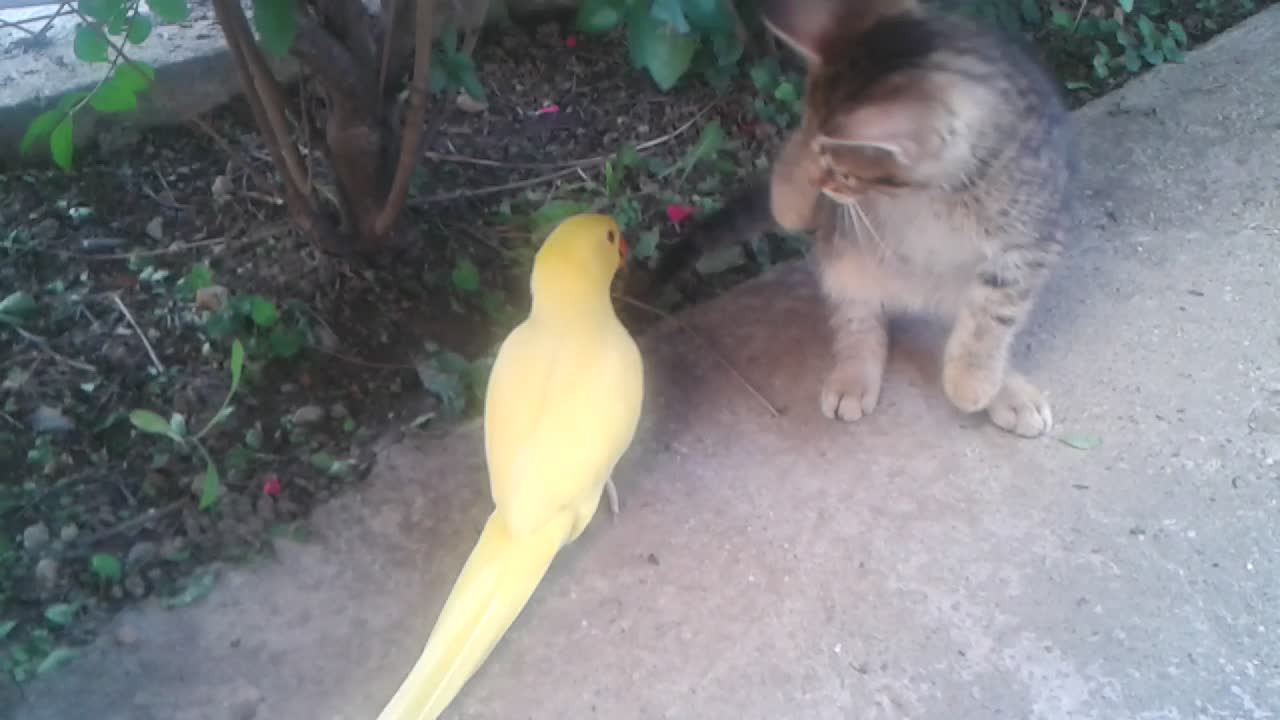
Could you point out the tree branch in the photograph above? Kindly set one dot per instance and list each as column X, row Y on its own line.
column 411, row 137
column 261, row 84
column 332, row 63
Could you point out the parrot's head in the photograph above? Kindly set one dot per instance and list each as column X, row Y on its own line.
column 580, row 258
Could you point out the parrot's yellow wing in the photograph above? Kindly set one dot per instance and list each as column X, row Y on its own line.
column 568, row 414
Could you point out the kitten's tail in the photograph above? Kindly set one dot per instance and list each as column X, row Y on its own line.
column 744, row 216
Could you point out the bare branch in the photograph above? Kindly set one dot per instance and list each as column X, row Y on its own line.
column 260, row 85
column 411, row 138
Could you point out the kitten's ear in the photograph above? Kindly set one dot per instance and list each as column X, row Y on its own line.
column 801, row 24
column 904, row 127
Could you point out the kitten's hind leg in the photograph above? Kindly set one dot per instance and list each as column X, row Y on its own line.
column 975, row 373
column 861, row 345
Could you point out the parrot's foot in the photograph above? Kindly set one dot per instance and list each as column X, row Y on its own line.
column 612, row 492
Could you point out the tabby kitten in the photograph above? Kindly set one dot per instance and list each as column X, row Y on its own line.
column 933, row 164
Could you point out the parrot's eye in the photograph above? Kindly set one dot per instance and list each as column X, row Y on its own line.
column 612, row 238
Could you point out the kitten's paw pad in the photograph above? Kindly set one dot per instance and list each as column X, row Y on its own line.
column 1021, row 409
column 971, row 388
column 850, row 394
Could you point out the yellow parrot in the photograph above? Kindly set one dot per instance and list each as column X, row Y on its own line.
column 562, row 406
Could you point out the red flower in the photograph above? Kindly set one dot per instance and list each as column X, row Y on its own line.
column 271, row 485
column 571, row 42
column 678, row 213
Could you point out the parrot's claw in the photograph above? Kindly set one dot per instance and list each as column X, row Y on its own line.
column 612, row 492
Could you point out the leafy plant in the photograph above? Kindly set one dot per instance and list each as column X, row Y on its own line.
column 175, row 429
column 667, row 38
column 257, row 321
column 106, row 29
column 778, row 98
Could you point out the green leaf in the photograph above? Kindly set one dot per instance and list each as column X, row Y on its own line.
column 7, row 627
column 56, row 659
column 1062, row 19
column 664, row 53
column 39, row 129
column 1153, row 56
column 18, row 305
column 709, row 16
column 597, row 16
column 785, row 92
column 101, row 10
column 1031, row 12
column 60, row 613
column 1178, row 32
column 669, row 12
column 646, row 246
column 285, row 342
column 211, row 488
column 1126, row 5
column 276, row 25
column 728, row 48
column 1172, row 52
column 263, row 312
column 237, row 365
column 1080, row 441
column 136, row 76
column 61, row 144
column 113, row 97
column 90, row 44
column 106, row 567
column 170, row 11
column 465, row 278
column 151, row 423
column 1147, row 30
column 139, row 29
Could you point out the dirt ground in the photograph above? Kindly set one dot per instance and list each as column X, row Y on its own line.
column 112, row 271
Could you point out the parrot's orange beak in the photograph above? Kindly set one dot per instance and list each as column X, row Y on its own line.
column 623, row 250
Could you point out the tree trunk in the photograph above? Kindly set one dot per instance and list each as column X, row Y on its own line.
column 351, row 56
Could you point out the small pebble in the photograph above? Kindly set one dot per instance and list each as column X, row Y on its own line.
column 212, row 298
column 222, row 187
column 69, row 532
column 338, row 411
column 155, row 228
column 46, row 419
column 140, row 554
column 308, row 415
column 35, row 537
column 135, row 586
column 288, row 388
column 173, row 548
column 47, row 573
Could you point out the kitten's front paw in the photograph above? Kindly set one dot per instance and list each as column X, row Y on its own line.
column 851, row 393
column 1021, row 408
column 971, row 388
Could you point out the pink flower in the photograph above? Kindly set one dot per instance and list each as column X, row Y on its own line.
column 678, row 213
column 547, row 109
column 271, row 485
column 571, row 42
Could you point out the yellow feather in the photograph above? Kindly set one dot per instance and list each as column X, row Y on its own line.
column 562, row 406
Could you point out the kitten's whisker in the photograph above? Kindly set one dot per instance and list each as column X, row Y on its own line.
column 862, row 213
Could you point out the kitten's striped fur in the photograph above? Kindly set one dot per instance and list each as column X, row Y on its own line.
column 933, row 166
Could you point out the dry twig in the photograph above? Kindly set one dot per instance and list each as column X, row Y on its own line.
column 143, row 336
column 566, row 168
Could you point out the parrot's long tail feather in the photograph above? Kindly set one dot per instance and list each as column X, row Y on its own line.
column 494, row 586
